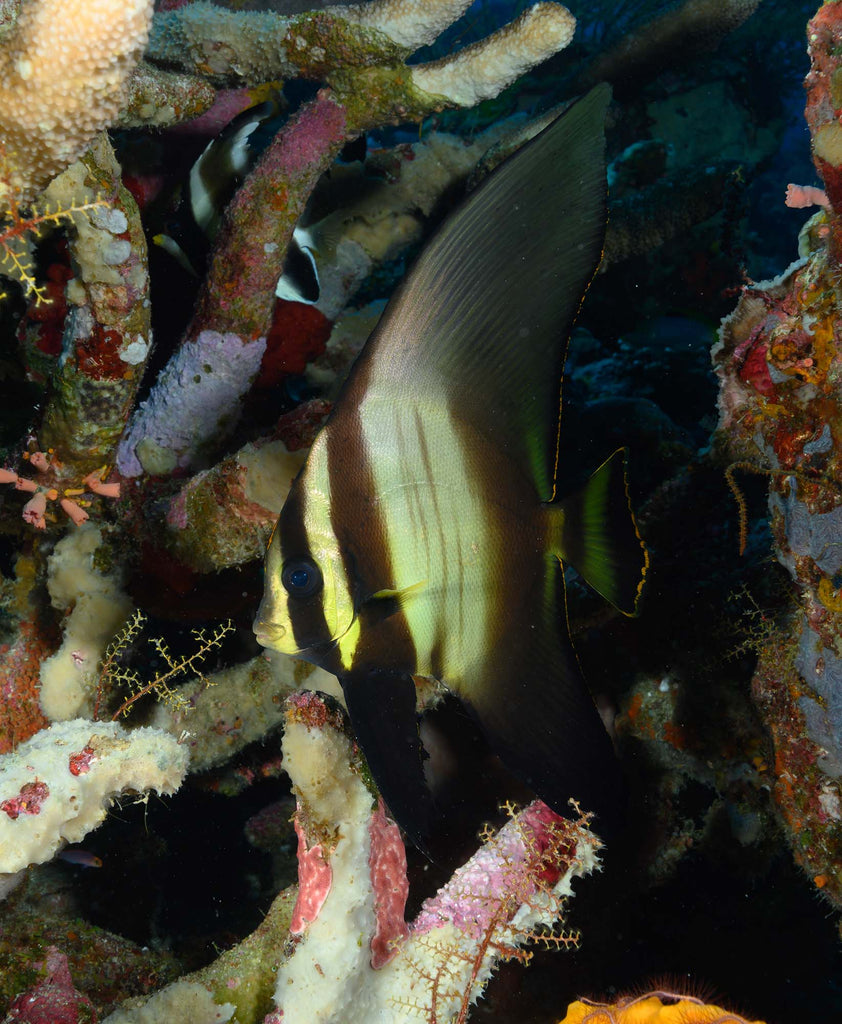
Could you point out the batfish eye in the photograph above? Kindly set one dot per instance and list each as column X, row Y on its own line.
column 301, row 578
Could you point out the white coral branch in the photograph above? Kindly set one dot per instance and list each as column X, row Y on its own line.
column 484, row 69
column 409, row 23
column 58, row 786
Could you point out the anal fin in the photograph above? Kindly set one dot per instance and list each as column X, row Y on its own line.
column 533, row 705
column 556, row 744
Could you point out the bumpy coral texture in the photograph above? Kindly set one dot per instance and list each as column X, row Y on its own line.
column 63, row 75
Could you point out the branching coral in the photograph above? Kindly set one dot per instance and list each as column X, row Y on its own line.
column 367, row 87
column 340, row 41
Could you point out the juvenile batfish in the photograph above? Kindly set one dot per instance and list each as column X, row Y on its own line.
column 423, row 535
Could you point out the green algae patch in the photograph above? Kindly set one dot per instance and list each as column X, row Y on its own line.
column 245, row 974
column 106, row 968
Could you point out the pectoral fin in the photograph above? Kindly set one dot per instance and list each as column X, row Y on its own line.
column 400, row 595
column 381, row 704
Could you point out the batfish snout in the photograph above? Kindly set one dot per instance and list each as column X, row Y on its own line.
column 269, row 634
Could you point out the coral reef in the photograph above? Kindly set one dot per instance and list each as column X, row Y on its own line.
column 778, row 360
column 85, row 334
column 351, row 956
column 152, row 422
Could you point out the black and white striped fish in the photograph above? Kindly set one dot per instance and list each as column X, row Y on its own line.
column 213, row 179
column 423, row 536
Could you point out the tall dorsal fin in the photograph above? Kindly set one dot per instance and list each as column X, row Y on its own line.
column 481, row 320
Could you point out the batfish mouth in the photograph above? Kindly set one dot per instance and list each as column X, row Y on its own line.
column 269, row 634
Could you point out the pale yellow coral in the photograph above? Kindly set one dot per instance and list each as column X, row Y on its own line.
column 63, row 75
column 409, row 23
column 484, row 69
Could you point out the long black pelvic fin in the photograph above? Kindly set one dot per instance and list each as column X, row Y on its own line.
column 382, row 706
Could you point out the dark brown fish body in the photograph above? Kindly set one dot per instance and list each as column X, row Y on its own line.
column 422, row 536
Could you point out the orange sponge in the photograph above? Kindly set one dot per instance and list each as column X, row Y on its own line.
column 648, row 1009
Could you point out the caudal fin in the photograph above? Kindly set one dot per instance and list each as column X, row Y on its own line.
column 594, row 530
